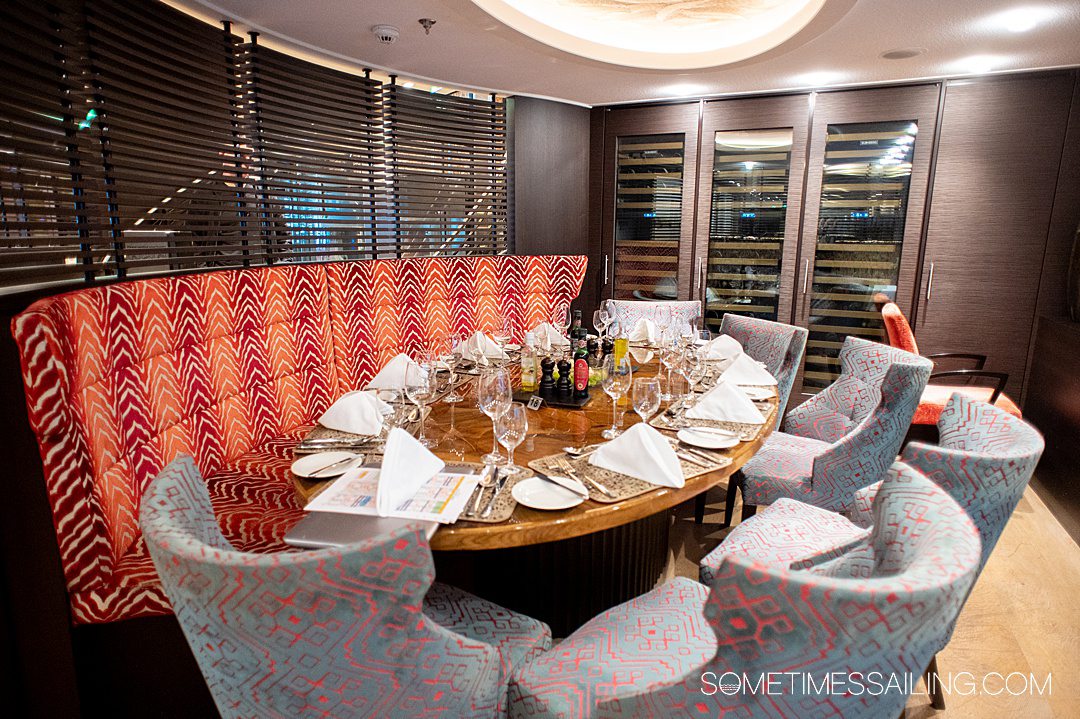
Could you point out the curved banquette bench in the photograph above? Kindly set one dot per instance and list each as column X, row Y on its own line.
column 230, row 367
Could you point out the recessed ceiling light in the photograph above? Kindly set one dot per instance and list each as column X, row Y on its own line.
column 683, row 89
column 977, row 64
column 1020, row 19
column 902, row 53
column 816, row 78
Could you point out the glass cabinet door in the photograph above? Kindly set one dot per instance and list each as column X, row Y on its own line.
column 866, row 178
column 747, row 222
column 648, row 216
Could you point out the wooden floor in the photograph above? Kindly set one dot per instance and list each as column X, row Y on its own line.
column 1023, row 616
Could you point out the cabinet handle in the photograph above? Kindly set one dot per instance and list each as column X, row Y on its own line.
column 605, row 270
column 805, row 274
column 697, row 278
column 930, row 282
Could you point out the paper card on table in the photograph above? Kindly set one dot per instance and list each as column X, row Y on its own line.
column 358, row 412
column 726, row 402
column 724, row 347
column 406, row 466
column 746, row 370
column 643, row 453
column 441, row 499
column 392, row 375
column 482, row 346
column 644, row 331
column 547, row 336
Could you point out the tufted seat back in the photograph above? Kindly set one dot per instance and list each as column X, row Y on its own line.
column 120, row 379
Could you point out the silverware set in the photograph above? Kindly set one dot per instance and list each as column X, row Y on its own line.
column 490, row 478
column 563, row 464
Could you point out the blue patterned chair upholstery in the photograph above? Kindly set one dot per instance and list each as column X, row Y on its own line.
column 671, row 313
column 881, row 607
column 778, row 346
column 344, row 632
column 842, row 439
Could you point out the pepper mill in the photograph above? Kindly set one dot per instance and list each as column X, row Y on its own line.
column 565, row 387
column 547, row 378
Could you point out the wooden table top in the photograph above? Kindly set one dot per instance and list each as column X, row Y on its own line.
column 464, row 434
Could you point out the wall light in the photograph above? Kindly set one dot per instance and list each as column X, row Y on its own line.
column 816, row 78
column 978, row 64
column 683, row 89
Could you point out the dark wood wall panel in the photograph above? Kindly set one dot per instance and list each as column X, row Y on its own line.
column 997, row 168
column 549, row 147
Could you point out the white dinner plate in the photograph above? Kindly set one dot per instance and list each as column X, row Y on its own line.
column 539, row 493
column 706, row 439
column 308, row 466
column 758, row 393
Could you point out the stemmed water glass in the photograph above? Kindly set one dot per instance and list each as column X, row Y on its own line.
column 495, row 394
column 693, row 369
column 511, row 426
column 451, row 357
column 395, row 416
column 502, row 333
column 616, row 383
column 669, row 357
column 601, row 318
column 562, row 318
column 420, row 387
column 646, row 397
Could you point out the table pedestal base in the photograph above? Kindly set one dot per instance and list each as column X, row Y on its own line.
column 567, row 582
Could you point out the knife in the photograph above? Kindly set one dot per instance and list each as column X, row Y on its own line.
column 500, row 482
column 566, row 483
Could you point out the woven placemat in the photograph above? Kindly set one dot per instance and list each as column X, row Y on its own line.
column 620, row 485
column 505, row 504
column 746, row 432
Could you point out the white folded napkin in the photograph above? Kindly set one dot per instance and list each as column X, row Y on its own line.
column 547, row 336
column 483, row 344
column 726, row 403
column 724, row 347
column 644, row 331
column 356, row 412
column 643, row 453
column 746, row 370
column 641, row 355
column 392, row 376
column 406, row 466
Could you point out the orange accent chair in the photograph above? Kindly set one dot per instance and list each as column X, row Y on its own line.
column 936, row 395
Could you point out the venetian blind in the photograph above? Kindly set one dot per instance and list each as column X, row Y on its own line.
column 137, row 139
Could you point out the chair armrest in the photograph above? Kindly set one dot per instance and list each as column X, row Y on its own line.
column 978, row 359
column 1001, row 377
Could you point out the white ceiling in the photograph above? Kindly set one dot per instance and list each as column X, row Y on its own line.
column 841, row 46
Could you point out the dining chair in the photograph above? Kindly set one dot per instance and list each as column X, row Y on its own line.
column 840, row 440
column 780, row 347
column 354, row 631
column 687, row 650
column 937, row 393
column 629, row 312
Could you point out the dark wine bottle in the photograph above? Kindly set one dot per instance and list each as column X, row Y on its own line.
column 576, row 330
column 581, row 370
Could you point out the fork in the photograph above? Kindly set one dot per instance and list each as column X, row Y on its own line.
column 564, row 464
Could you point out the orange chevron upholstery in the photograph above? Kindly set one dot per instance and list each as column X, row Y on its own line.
column 229, row 367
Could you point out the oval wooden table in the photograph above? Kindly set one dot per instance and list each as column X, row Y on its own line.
column 563, row 566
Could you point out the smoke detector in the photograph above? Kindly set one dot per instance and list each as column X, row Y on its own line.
column 387, row 34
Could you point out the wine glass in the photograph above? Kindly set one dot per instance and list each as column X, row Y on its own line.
column 692, row 368
column 502, row 333
column 395, row 416
column 601, row 319
column 616, row 383
column 562, row 318
column 451, row 357
column 511, row 426
column 420, row 387
column 495, row 394
column 646, row 397
column 669, row 356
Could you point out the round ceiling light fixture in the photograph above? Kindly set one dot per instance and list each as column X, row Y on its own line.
column 902, row 53
column 660, row 34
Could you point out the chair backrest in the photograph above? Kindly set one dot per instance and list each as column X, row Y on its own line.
column 334, row 632
column 985, row 459
column 672, row 313
column 864, row 414
column 897, row 328
column 779, row 346
column 381, row 308
column 878, row 619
